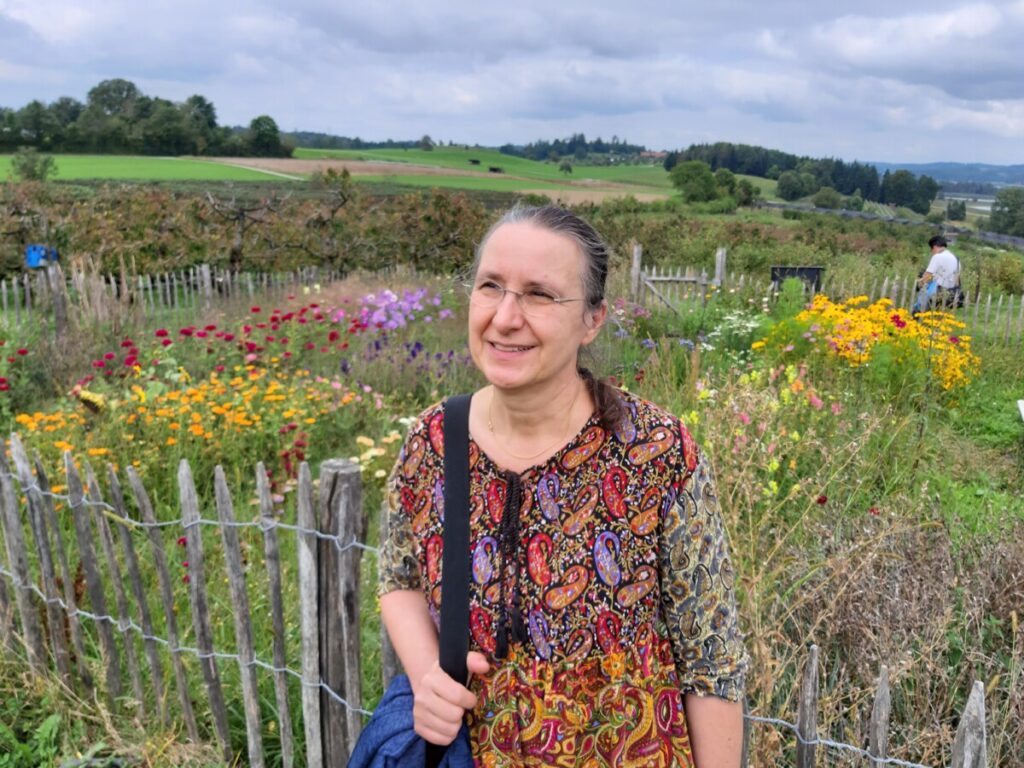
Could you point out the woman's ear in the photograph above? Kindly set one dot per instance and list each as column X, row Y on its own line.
column 597, row 318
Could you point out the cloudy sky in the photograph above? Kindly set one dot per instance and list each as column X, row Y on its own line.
column 906, row 81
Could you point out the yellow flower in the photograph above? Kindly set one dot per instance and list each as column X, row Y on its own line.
column 363, row 440
column 171, row 441
column 98, row 451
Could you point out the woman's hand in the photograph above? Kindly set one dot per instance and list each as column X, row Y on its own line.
column 440, row 702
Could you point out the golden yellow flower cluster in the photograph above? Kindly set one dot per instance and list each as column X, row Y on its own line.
column 855, row 330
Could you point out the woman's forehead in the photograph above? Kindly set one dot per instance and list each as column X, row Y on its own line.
column 522, row 246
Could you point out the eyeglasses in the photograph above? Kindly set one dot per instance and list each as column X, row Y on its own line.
column 535, row 301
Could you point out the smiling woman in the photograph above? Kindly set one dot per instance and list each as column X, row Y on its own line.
column 601, row 585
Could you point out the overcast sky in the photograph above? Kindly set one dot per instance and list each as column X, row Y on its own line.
column 905, row 81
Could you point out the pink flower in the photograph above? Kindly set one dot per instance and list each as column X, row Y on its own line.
column 743, row 417
column 815, row 401
column 98, row 364
column 954, row 339
column 837, row 408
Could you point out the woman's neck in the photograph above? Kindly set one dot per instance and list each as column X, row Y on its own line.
column 528, row 415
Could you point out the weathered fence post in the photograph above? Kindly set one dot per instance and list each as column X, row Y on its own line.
column 807, row 714
column 969, row 745
column 242, row 615
column 273, row 560
column 93, row 581
column 207, row 282
column 634, row 272
column 58, row 293
column 139, row 593
column 309, row 615
column 341, row 515
column 878, row 734
column 167, row 599
column 200, row 609
column 10, row 521
column 54, row 615
column 720, row 266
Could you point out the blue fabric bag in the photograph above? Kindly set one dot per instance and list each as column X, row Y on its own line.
column 389, row 741
column 925, row 296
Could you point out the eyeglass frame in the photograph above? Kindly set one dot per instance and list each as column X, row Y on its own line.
column 471, row 288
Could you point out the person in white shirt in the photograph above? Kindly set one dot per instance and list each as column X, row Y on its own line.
column 944, row 269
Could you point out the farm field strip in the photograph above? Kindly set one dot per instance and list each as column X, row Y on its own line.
column 142, row 168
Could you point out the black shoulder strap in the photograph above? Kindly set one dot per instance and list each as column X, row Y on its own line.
column 454, row 640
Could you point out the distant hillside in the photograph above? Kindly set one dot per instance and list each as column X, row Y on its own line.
column 992, row 174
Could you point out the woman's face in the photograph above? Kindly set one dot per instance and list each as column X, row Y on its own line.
column 517, row 350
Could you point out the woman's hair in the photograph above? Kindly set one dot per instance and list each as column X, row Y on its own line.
column 560, row 221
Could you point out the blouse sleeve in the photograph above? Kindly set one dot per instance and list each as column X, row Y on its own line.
column 397, row 564
column 698, row 598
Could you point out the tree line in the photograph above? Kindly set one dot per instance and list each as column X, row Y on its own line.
column 117, row 118
column 801, row 176
column 576, row 146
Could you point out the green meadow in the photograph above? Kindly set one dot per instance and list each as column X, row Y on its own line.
column 458, row 158
column 138, row 168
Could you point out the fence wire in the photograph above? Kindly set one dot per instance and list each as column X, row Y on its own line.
column 124, row 625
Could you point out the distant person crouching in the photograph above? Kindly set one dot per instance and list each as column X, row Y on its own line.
column 939, row 285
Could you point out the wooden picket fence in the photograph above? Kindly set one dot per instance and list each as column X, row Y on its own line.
column 59, row 597
column 48, row 579
column 85, row 292
column 996, row 319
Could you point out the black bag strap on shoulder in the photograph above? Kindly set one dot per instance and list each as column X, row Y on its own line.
column 454, row 638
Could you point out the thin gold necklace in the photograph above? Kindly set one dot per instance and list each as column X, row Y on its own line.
column 543, row 451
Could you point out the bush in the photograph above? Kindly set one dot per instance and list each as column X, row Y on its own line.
column 28, row 165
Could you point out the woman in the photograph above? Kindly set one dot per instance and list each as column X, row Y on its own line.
column 603, row 626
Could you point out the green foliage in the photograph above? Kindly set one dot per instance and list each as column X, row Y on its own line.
column 747, row 193
column 827, row 197
column 956, row 210
column 694, row 181
column 1007, row 215
column 791, row 186
column 28, row 165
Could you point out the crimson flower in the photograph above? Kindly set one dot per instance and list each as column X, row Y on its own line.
column 255, row 310
column 822, row 499
column 22, row 351
column 160, row 333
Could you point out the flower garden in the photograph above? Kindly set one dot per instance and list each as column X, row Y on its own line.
column 867, row 464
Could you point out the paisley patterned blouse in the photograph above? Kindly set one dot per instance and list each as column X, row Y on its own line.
column 612, row 590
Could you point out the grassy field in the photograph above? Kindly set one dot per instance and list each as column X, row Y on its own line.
column 138, row 168
column 457, row 158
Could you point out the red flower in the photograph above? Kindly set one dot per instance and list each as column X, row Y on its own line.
column 229, row 337
column 184, row 563
column 201, row 334
column 255, row 310
column 109, row 355
column 160, row 333
column 187, row 331
column 186, row 578
column 210, row 327
column 130, row 361
column 127, row 343
column 332, row 336
column 182, row 541
column 310, row 345
column 219, row 368
column 874, row 511
column 22, row 351
column 4, row 386
column 954, row 339
column 98, row 364
column 166, row 342
column 11, row 359
column 822, row 499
